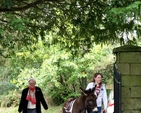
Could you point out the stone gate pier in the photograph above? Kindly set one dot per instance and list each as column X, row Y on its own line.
column 128, row 63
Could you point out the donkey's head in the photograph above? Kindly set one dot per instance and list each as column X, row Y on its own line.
column 89, row 98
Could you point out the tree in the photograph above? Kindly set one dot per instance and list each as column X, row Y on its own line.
column 77, row 23
column 57, row 71
column 73, row 26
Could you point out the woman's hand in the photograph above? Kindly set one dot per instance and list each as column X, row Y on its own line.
column 104, row 111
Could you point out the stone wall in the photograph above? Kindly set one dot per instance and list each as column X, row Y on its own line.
column 128, row 61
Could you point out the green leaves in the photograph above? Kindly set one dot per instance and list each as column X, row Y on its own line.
column 7, row 3
column 72, row 23
column 56, row 68
column 57, row 42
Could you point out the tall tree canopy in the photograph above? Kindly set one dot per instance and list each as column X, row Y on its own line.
column 74, row 23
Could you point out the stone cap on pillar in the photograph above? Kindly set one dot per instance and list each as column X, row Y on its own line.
column 127, row 48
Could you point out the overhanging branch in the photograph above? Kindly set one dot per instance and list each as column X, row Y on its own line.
column 27, row 6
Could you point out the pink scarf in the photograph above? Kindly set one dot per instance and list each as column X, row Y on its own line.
column 32, row 88
column 31, row 95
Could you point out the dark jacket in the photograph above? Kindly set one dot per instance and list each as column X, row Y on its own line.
column 39, row 99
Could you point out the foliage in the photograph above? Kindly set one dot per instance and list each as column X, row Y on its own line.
column 58, row 72
column 56, row 41
column 10, row 99
column 5, row 84
column 75, row 22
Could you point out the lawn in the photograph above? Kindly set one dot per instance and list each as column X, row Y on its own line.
column 54, row 109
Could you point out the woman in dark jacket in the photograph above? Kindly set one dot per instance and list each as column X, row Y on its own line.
column 31, row 99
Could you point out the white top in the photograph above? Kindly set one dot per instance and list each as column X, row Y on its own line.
column 102, row 96
column 30, row 105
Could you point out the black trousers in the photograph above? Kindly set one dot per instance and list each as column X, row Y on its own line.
column 31, row 111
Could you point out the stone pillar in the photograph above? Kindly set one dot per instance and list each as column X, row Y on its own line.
column 128, row 62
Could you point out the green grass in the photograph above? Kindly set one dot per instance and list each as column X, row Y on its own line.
column 53, row 109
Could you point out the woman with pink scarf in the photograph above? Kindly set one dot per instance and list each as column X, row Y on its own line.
column 31, row 98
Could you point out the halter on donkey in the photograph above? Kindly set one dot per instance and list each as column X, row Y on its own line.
column 86, row 101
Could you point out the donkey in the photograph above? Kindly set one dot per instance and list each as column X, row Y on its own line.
column 86, row 101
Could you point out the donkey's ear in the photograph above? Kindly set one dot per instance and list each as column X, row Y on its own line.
column 81, row 88
column 93, row 89
column 83, row 91
column 95, row 85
